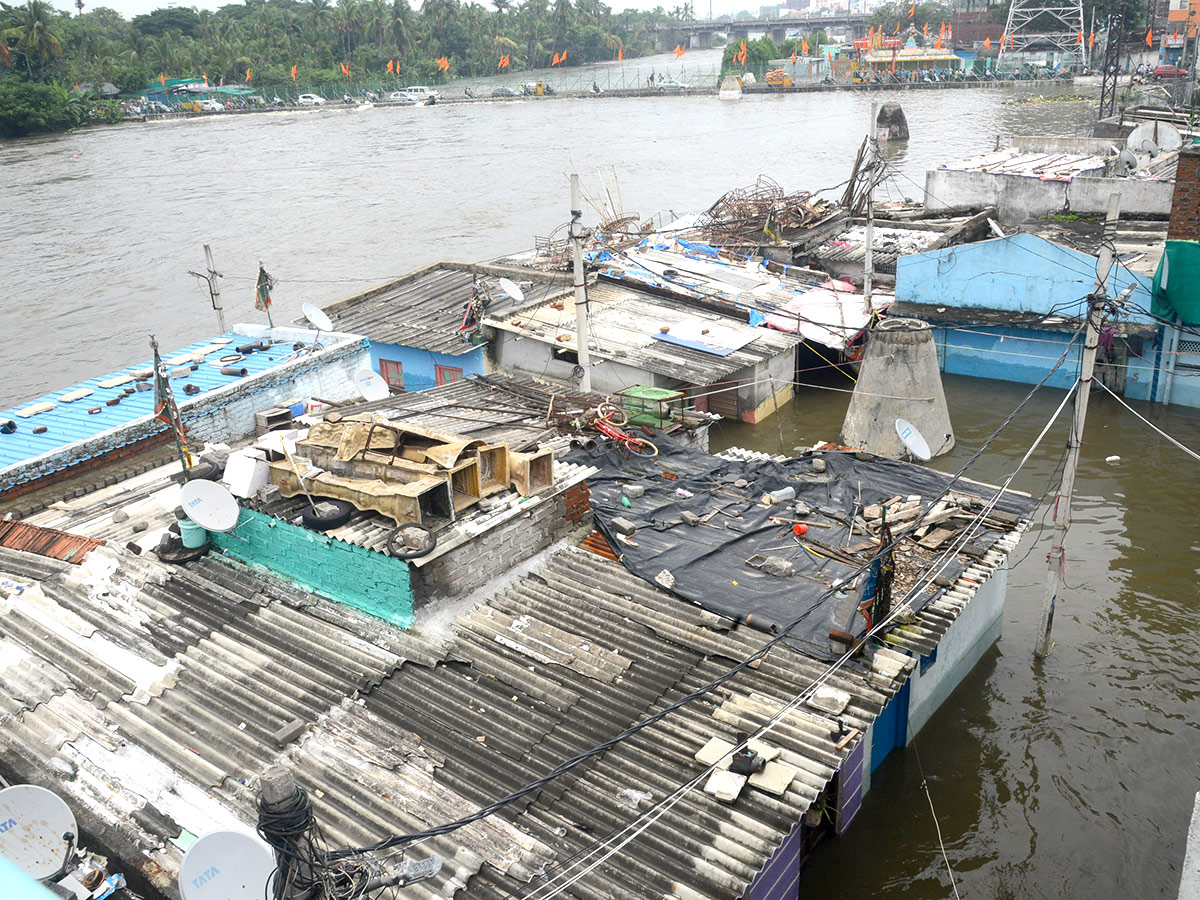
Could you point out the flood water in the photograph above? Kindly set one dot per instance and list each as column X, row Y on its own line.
column 1070, row 778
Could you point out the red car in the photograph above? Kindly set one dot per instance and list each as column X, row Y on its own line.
column 1169, row 72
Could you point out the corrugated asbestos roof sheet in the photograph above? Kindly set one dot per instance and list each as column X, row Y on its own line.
column 160, row 690
column 887, row 245
column 67, row 418
column 424, row 309
column 494, row 408
column 623, row 322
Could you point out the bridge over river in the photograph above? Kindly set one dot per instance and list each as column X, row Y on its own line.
column 699, row 33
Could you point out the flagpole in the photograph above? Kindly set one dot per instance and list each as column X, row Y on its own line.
column 270, row 321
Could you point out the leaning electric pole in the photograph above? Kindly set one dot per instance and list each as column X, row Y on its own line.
column 581, row 311
column 1057, row 557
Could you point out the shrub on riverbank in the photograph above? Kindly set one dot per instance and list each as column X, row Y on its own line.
column 30, row 108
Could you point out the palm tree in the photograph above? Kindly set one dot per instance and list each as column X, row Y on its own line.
column 37, row 34
column 401, row 25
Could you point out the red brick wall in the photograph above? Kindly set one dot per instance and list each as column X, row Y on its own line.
column 579, row 503
column 104, row 460
column 1185, row 204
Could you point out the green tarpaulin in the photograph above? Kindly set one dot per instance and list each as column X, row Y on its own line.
column 1177, row 283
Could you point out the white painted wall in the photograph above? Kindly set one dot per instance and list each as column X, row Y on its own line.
column 976, row 629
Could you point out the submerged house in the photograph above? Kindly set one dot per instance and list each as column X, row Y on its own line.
column 636, row 336
column 425, row 327
column 1007, row 308
column 219, row 384
column 152, row 695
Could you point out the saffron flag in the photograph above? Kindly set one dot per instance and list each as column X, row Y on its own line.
column 897, row 31
column 871, row 37
column 247, row 76
column 1091, row 40
column 163, row 79
column 555, row 61
column 564, row 56
column 444, row 64
column 679, row 50
column 1003, row 38
column 620, row 54
column 804, row 46
column 205, row 79
column 1079, row 37
column 262, row 290
column 793, row 57
column 938, row 42
column 925, row 30
column 987, row 43
column 293, row 73
column 390, row 66
column 743, row 46
column 912, row 10
column 1150, row 37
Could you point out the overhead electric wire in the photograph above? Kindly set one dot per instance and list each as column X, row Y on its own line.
column 654, row 813
column 1186, row 449
column 568, row 765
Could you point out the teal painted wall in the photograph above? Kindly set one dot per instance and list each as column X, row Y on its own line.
column 360, row 578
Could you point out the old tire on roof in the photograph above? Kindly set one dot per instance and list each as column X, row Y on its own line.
column 397, row 547
column 324, row 520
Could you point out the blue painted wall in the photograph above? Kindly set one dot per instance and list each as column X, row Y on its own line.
column 779, row 878
column 418, row 365
column 891, row 727
column 1024, row 355
column 1022, row 273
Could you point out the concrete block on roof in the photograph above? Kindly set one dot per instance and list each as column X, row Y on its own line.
column 763, row 749
column 775, row 778
column 725, row 785
column 715, row 752
column 245, row 474
column 623, row 526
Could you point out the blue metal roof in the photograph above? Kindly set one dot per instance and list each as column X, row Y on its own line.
column 73, row 421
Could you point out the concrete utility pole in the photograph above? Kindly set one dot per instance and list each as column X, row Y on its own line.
column 581, row 322
column 294, row 878
column 1057, row 557
column 869, row 236
column 214, row 289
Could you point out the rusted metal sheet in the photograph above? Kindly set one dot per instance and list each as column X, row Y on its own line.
column 598, row 544
column 49, row 542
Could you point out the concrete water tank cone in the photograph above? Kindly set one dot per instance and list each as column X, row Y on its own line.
column 898, row 379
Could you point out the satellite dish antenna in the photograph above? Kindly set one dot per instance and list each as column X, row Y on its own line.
column 510, row 288
column 226, row 865
column 1128, row 160
column 210, row 506
column 317, row 318
column 913, row 441
column 1154, row 138
column 33, row 821
column 371, row 386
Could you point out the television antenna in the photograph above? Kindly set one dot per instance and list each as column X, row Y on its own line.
column 210, row 506
column 913, row 440
column 226, row 865
column 39, row 829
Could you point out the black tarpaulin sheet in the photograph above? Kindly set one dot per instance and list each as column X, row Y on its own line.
column 715, row 564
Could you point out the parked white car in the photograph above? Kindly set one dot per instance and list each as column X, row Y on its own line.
column 401, row 97
column 310, row 100
column 673, row 84
column 420, row 93
column 210, row 105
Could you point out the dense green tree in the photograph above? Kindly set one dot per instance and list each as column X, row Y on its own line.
column 34, row 31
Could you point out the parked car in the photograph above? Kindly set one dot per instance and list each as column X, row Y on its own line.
column 1169, row 72
column 310, row 100
column 400, row 97
column 420, row 93
column 504, row 91
column 672, row 84
column 210, row 105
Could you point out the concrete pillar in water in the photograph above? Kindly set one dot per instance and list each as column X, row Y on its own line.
column 890, row 124
column 898, row 379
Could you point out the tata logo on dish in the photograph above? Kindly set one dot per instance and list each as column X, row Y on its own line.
column 4, row 826
column 206, row 876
